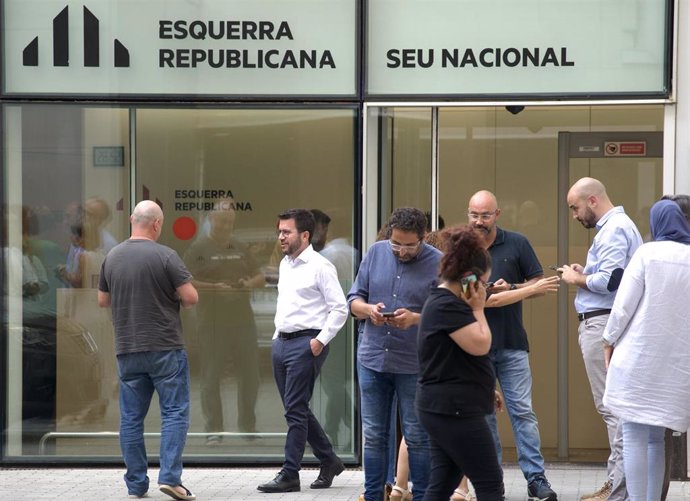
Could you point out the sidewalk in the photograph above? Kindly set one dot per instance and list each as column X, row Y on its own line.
column 222, row 484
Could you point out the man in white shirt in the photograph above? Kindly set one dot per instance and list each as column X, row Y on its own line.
column 311, row 310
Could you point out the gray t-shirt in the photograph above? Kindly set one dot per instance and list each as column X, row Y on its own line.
column 141, row 277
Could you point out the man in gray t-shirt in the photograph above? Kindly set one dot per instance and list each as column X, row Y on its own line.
column 145, row 284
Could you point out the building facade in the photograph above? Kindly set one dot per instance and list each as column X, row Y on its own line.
column 346, row 106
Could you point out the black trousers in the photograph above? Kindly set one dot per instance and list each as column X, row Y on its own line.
column 461, row 446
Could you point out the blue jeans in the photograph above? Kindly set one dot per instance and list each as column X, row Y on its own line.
column 643, row 460
column 377, row 390
column 166, row 372
column 514, row 375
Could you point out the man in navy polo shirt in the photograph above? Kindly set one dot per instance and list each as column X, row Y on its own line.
column 515, row 263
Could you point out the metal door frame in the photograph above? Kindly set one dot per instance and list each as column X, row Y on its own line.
column 581, row 145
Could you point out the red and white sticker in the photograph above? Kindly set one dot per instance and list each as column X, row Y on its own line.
column 625, row 148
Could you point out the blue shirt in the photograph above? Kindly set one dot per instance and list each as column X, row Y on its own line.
column 383, row 278
column 616, row 241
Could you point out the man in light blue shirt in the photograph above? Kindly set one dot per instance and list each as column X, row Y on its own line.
column 616, row 241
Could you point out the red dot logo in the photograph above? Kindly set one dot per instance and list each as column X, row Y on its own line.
column 184, row 228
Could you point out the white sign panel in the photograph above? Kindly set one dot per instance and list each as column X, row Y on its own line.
column 508, row 47
column 180, row 47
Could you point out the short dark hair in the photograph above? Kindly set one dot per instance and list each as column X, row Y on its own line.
column 320, row 217
column 304, row 220
column 439, row 219
column 683, row 202
column 463, row 253
column 408, row 219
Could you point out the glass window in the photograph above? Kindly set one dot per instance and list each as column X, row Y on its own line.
column 221, row 176
column 67, row 172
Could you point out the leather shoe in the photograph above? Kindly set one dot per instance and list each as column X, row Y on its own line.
column 327, row 474
column 281, row 483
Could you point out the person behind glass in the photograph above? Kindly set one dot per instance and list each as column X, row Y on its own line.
column 392, row 283
column 86, row 249
column 647, row 348
column 97, row 212
column 310, row 311
column 225, row 272
column 457, row 381
column 597, row 282
column 515, row 267
column 333, row 380
column 145, row 284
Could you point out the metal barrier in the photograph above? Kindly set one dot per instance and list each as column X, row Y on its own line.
column 53, row 435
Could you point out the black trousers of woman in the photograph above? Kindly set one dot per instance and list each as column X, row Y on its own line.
column 461, row 446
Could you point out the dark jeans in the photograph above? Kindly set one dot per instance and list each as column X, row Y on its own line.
column 461, row 446
column 295, row 370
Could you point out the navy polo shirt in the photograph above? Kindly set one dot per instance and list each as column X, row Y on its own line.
column 513, row 259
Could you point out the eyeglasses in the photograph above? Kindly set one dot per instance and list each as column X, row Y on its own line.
column 406, row 248
column 283, row 233
column 484, row 216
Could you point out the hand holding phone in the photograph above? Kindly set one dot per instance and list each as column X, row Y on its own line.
column 388, row 314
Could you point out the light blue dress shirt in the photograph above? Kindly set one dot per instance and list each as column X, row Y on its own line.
column 616, row 241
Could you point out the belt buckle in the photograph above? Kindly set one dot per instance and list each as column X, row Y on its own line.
column 581, row 316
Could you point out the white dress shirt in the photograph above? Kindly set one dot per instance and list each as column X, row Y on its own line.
column 309, row 296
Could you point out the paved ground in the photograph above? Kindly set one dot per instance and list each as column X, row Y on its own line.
column 216, row 484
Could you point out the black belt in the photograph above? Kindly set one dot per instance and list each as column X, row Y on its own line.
column 296, row 334
column 590, row 314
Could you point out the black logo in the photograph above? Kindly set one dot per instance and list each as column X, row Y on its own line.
column 61, row 43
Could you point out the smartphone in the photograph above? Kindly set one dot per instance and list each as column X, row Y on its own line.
column 465, row 282
column 388, row 314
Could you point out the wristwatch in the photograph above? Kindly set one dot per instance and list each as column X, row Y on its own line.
column 513, row 287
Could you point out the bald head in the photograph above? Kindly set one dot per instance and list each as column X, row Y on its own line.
column 485, row 199
column 588, row 200
column 482, row 213
column 147, row 220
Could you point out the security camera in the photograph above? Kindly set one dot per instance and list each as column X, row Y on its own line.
column 515, row 109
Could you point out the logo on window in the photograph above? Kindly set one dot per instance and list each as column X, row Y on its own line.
column 92, row 49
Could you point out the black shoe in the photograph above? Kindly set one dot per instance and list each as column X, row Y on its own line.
column 539, row 489
column 327, row 474
column 281, row 483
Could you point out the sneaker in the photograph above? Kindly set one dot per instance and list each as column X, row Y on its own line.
column 600, row 495
column 539, row 489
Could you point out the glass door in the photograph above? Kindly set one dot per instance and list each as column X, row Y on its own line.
column 630, row 165
column 514, row 152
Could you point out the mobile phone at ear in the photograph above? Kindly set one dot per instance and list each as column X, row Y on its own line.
column 465, row 283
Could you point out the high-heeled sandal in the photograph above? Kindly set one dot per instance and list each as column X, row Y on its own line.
column 400, row 494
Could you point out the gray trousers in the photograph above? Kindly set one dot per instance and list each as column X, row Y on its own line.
column 589, row 337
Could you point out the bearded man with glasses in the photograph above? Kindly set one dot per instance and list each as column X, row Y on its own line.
column 515, row 265
column 394, row 280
